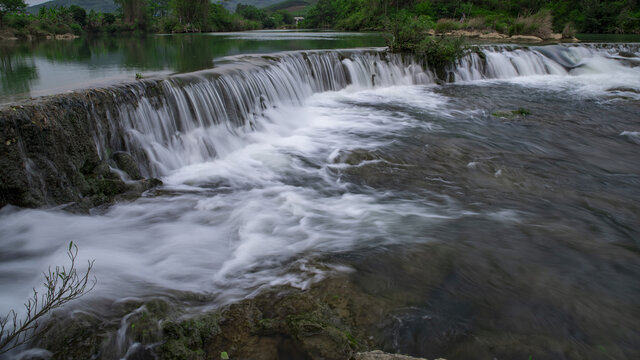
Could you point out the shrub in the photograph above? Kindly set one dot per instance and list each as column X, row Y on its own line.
column 17, row 21
column 62, row 29
column 407, row 34
column 539, row 24
column 441, row 51
column 445, row 25
column 568, row 32
column 476, row 23
column 404, row 32
column 62, row 285
column 76, row 29
column 108, row 18
column 168, row 23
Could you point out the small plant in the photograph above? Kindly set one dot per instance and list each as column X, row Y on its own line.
column 139, row 76
column 512, row 113
column 224, row 355
column 568, row 32
column 522, row 111
column 62, row 285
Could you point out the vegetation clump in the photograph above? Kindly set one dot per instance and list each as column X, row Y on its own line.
column 407, row 34
column 512, row 114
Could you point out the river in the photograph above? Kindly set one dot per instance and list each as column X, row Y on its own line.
column 507, row 200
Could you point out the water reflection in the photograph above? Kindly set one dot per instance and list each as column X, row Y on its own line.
column 51, row 66
column 18, row 73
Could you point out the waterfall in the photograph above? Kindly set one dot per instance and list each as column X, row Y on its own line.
column 169, row 123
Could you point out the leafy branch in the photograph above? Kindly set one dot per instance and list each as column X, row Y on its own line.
column 62, row 285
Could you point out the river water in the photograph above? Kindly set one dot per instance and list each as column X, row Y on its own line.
column 525, row 168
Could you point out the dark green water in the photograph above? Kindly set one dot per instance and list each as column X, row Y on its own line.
column 609, row 37
column 52, row 66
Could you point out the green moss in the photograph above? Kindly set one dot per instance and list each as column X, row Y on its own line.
column 186, row 340
column 512, row 114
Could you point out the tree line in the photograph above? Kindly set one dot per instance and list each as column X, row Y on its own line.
column 156, row 16
column 172, row 16
column 585, row 16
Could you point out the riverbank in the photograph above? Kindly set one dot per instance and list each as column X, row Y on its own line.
column 499, row 37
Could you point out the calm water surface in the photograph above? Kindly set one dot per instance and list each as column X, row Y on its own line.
column 46, row 67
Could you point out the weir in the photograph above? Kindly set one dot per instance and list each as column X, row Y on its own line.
column 165, row 124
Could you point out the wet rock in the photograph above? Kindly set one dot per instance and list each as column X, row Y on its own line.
column 627, row 54
column 624, row 89
column 357, row 157
column 186, row 340
column 124, row 161
column 49, row 155
column 379, row 355
column 133, row 327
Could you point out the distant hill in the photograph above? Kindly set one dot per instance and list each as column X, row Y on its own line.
column 231, row 4
column 109, row 6
column 105, row 6
column 292, row 6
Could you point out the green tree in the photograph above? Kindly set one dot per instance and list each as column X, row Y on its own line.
column 7, row 6
column 78, row 14
column 158, row 8
column 192, row 12
column 133, row 11
column 323, row 15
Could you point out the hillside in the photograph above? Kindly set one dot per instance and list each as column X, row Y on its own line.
column 106, row 6
column 110, row 6
column 231, row 4
column 292, row 6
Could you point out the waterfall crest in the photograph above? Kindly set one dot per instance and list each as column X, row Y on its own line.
column 173, row 127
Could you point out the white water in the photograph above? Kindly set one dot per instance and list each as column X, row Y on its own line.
column 250, row 198
column 240, row 221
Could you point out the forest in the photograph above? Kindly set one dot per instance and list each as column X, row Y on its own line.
column 179, row 16
column 585, row 16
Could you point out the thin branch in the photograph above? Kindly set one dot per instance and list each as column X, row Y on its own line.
column 62, row 285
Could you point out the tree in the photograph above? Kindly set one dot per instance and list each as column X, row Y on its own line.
column 61, row 286
column 7, row 6
column 158, row 8
column 322, row 15
column 133, row 11
column 192, row 11
column 79, row 14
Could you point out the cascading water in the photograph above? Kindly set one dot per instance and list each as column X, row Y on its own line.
column 274, row 164
column 197, row 112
